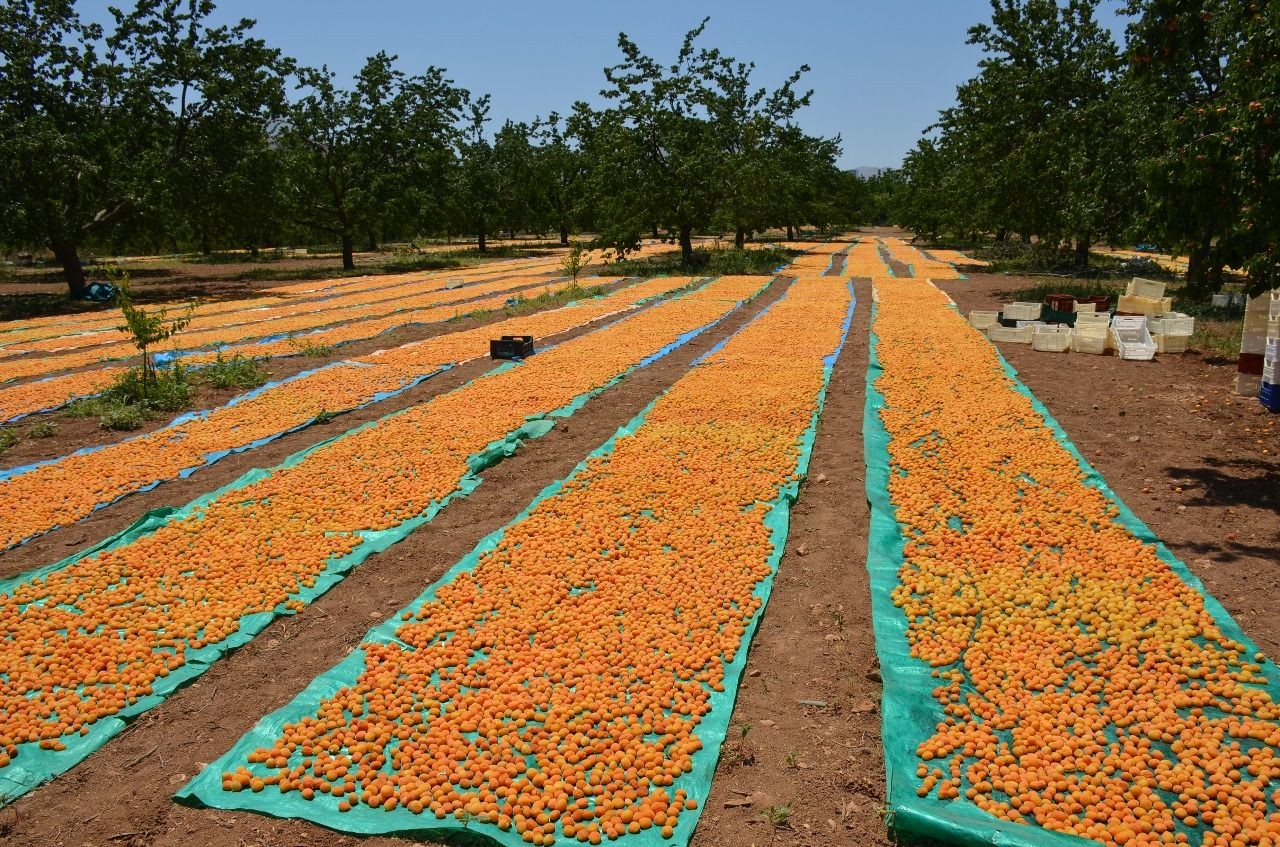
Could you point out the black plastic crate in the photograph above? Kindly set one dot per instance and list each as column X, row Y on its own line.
column 511, row 347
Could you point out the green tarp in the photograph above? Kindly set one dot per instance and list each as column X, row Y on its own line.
column 910, row 712
column 206, row 788
column 34, row 766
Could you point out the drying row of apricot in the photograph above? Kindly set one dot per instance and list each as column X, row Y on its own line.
column 89, row 639
column 73, row 487
column 340, row 306
column 1083, row 685
column 398, row 310
column 13, row 333
column 558, row 687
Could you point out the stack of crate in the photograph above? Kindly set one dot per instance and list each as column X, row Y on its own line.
column 1089, row 335
column 1269, row 391
column 1258, row 314
column 1145, row 297
column 1172, row 331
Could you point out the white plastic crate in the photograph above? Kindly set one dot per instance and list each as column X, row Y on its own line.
column 1269, row 373
column 1033, row 324
column 1273, row 328
column 1275, row 304
column 1100, row 318
column 1248, row 385
column 1169, row 342
column 1088, row 341
column 1140, row 287
column 1051, row 339
column 1085, row 308
column 1173, row 323
column 1132, row 338
column 1022, row 311
column 1139, row 305
column 1272, row 350
column 1260, row 305
column 983, row 320
column 1253, row 338
column 1222, row 300
column 1011, row 334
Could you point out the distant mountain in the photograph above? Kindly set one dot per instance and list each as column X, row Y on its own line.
column 867, row 171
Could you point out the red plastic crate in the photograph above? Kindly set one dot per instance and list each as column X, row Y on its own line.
column 1060, row 302
column 1250, row 363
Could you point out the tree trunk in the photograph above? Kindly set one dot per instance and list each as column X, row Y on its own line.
column 1002, row 235
column 686, row 244
column 206, row 248
column 373, row 243
column 564, row 236
column 69, row 257
column 791, row 235
column 1083, row 243
column 483, row 246
column 1026, row 237
column 1198, row 271
column 655, row 232
column 348, row 261
column 740, row 238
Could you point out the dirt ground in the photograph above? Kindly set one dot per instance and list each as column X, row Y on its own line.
column 1198, row 465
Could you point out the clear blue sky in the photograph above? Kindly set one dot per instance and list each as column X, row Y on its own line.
column 881, row 69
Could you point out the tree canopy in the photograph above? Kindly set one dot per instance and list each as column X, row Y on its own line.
column 1065, row 136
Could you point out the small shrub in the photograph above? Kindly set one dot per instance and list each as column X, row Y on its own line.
column 44, row 429
column 163, row 390
column 124, row 417
column 237, row 372
column 574, row 262
column 85, row 407
column 314, row 349
column 324, row 416
column 777, row 816
column 8, row 438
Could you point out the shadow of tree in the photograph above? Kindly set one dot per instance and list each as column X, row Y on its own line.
column 1235, row 482
column 1234, row 551
column 1250, row 483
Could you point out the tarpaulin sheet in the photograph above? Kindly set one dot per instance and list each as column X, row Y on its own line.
column 33, row 766
column 206, row 788
column 910, row 711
